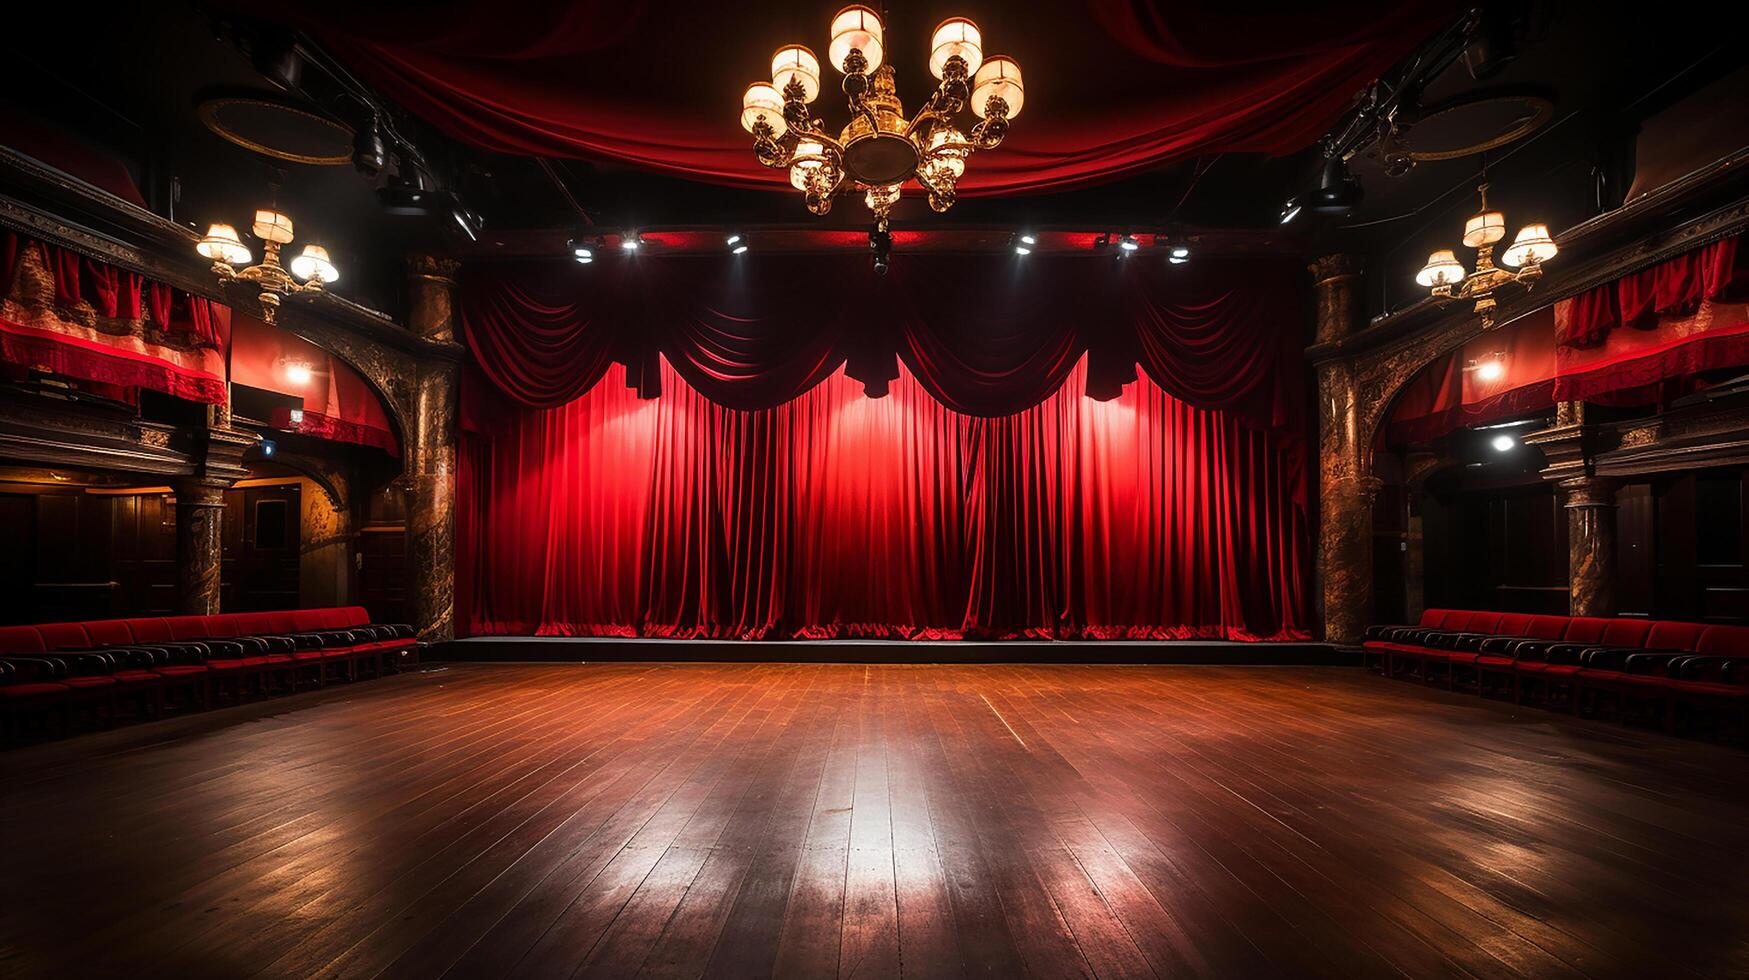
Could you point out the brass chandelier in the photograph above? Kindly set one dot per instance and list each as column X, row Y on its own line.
column 1445, row 275
column 879, row 150
column 227, row 251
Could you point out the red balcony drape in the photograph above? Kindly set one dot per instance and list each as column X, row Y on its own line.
column 838, row 515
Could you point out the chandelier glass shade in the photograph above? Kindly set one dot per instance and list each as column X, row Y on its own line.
column 1445, row 276
column 309, row 271
column 880, row 149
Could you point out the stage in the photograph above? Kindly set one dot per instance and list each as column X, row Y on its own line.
column 572, row 650
column 731, row 820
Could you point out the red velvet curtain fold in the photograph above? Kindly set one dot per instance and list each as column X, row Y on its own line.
column 837, row 515
column 1675, row 287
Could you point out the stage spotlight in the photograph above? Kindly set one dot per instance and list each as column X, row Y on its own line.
column 1022, row 244
column 733, row 240
column 581, row 252
column 1290, row 210
column 740, row 246
column 407, row 194
column 1178, row 254
column 630, row 241
column 1028, row 240
column 467, row 221
column 1490, row 46
column 1128, row 243
column 1338, row 191
column 1503, row 443
column 368, row 152
column 880, row 246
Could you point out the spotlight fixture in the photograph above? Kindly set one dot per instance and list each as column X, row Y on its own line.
column 1444, row 275
column 467, row 221
column 739, row 248
column 369, row 154
column 630, row 241
column 407, row 194
column 1503, row 443
column 1128, row 244
column 1023, row 243
column 1338, row 190
column 274, row 228
column 269, row 447
column 734, row 240
column 880, row 246
column 1102, row 243
column 1178, row 254
column 582, row 253
column 1290, row 210
column 1489, row 370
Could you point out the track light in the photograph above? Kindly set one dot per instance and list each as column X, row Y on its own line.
column 1022, row 243
column 734, row 240
column 1178, row 254
column 407, row 194
column 1128, row 244
column 582, row 252
column 467, row 221
column 739, row 248
column 1290, row 210
column 1338, row 191
column 630, row 241
column 880, row 246
column 368, row 152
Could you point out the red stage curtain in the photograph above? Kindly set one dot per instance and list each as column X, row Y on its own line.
column 837, row 515
column 1675, row 287
column 983, row 335
column 1115, row 88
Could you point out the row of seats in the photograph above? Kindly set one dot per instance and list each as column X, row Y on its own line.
column 150, row 663
column 1572, row 661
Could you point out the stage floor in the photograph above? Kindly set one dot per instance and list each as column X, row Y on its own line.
column 821, row 820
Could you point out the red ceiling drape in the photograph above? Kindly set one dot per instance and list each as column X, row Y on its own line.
column 837, row 515
column 983, row 335
column 1114, row 87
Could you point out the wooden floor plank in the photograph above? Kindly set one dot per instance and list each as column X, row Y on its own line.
column 740, row 820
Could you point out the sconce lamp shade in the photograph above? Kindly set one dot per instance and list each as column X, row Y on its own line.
column 314, row 264
column 272, row 226
column 221, row 244
column 956, row 35
column 1532, row 246
column 762, row 100
column 799, row 63
column 855, row 27
column 1442, row 269
column 1484, row 229
column 999, row 78
column 809, row 156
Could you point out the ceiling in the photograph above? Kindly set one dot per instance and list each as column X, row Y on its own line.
column 1079, row 78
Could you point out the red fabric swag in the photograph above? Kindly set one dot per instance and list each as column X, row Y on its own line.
column 980, row 334
column 837, row 515
column 1675, row 287
column 575, row 79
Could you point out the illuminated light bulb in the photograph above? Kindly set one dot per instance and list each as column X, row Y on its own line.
column 1490, row 370
column 956, row 36
column 1442, row 269
column 859, row 28
column 1503, row 443
column 1532, row 246
column 795, row 62
column 762, row 101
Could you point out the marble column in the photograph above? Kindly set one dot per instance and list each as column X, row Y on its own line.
column 431, row 296
column 1590, row 504
column 1346, row 485
column 200, row 516
column 431, row 453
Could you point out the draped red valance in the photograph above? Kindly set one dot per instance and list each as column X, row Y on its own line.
column 1675, row 287
column 1115, row 87
column 983, row 335
column 73, row 315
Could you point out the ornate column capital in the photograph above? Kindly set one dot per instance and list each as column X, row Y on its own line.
column 1333, row 282
column 1588, row 491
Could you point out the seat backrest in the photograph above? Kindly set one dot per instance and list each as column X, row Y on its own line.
column 64, row 636
column 1667, row 635
column 1547, row 627
column 1724, row 641
column 252, row 623
column 21, row 639
column 1626, row 632
column 1586, row 629
column 150, row 630
column 345, row 616
column 187, row 627
column 1484, row 622
column 109, row 633
column 221, row 625
column 1513, row 624
column 1434, row 618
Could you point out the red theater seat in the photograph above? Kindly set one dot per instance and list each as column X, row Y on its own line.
column 58, row 665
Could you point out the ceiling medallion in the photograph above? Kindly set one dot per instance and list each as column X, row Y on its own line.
column 879, row 150
column 1445, row 275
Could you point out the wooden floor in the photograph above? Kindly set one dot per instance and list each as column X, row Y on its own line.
column 746, row 820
